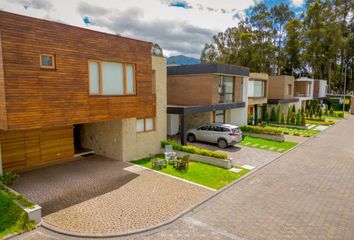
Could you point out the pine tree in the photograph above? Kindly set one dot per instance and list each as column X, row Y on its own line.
column 294, row 109
column 278, row 114
column 282, row 120
column 326, row 109
column 293, row 118
column 303, row 120
column 272, row 115
column 319, row 112
column 288, row 117
column 298, row 117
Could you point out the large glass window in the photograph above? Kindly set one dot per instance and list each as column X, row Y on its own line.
column 94, row 75
column 226, row 89
column 255, row 88
column 110, row 78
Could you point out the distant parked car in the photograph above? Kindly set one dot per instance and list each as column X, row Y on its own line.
column 222, row 134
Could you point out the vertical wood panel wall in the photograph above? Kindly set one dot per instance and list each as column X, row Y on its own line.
column 3, row 115
column 38, row 98
column 26, row 149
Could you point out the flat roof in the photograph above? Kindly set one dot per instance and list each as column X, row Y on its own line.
column 219, row 68
column 183, row 109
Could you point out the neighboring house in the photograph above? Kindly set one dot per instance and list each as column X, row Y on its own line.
column 205, row 93
column 304, row 90
column 281, row 91
column 319, row 89
column 257, row 96
column 67, row 91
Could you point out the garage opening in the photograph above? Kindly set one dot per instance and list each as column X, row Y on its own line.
column 78, row 148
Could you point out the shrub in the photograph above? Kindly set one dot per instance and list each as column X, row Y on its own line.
column 8, row 178
column 319, row 112
column 282, row 120
column 293, row 118
column 327, row 123
column 262, row 130
column 326, row 109
column 193, row 150
column 303, row 120
column 298, row 118
column 266, row 113
column 293, row 109
column 331, row 111
column 272, row 115
column 277, row 116
column 288, row 117
column 341, row 115
column 311, row 112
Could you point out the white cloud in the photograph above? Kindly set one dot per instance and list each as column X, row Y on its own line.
column 297, row 3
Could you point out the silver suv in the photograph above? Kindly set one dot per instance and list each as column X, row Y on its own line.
column 222, row 134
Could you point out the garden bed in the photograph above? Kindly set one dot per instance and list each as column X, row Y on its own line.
column 201, row 173
column 16, row 213
column 268, row 145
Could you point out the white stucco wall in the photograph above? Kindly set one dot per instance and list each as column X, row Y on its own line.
column 323, row 88
column 172, row 124
column 238, row 116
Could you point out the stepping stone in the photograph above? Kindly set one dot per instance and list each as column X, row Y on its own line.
column 272, row 148
column 236, row 170
column 255, row 145
column 249, row 167
column 264, row 146
column 280, row 149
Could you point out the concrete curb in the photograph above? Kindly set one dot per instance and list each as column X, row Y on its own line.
column 166, row 224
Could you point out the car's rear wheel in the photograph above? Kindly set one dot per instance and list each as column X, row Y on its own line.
column 191, row 137
column 222, row 143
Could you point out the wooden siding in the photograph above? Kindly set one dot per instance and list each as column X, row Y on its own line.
column 3, row 115
column 42, row 98
column 21, row 150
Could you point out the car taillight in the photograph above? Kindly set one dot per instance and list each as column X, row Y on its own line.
column 233, row 134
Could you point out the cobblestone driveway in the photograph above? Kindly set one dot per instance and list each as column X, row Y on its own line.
column 101, row 195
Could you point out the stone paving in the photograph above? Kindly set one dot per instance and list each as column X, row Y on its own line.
column 147, row 199
column 243, row 155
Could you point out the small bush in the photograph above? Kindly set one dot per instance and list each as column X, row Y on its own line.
column 193, row 150
column 282, row 120
column 293, row 118
column 341, row 115
column 273, row 115
column 303, row 120
column 331, row 111
column 327, row 123
column 8, row 178
column 298, row 118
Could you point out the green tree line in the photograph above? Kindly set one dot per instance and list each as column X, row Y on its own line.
column 317, row 43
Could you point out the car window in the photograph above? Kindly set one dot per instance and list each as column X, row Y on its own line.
column 235, row 130
column 226, row 129
column 217, row 129
column 206, row 127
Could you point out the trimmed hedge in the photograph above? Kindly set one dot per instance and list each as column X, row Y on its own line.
column 324, row 123
column 262, row 130
column 193, row 150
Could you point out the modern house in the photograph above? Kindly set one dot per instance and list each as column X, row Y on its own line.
column 66, row 91
column 319, row 89
column 281, row 91
column 257, row 96
column 205, row 93
column 304, row 89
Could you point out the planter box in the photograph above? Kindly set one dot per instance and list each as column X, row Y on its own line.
column 224, row 163
column 34, row 214
column 277, row 138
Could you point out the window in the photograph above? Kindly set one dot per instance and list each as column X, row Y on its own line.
column 255, row 88
column 290, row 89
column 111, row 78
column 47, row 61
column 145, row 124
column 226, row 89
column 219, row 116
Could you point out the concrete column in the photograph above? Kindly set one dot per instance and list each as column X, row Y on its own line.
column 184, row 124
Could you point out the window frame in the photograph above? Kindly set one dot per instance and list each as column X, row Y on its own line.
column 144, row 131
column 254, row 81
column 53, row 66
column 222, row 93
column 100, row 92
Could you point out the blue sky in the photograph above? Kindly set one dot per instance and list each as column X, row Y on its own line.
column 178, row 26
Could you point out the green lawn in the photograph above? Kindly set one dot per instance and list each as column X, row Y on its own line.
column 201, row 173
column 267, row 144
column 12, row 218
column 298, row 131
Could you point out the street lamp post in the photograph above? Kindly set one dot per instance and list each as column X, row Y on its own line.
column 345, row 82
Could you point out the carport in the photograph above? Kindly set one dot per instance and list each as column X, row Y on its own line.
column 185, row 111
